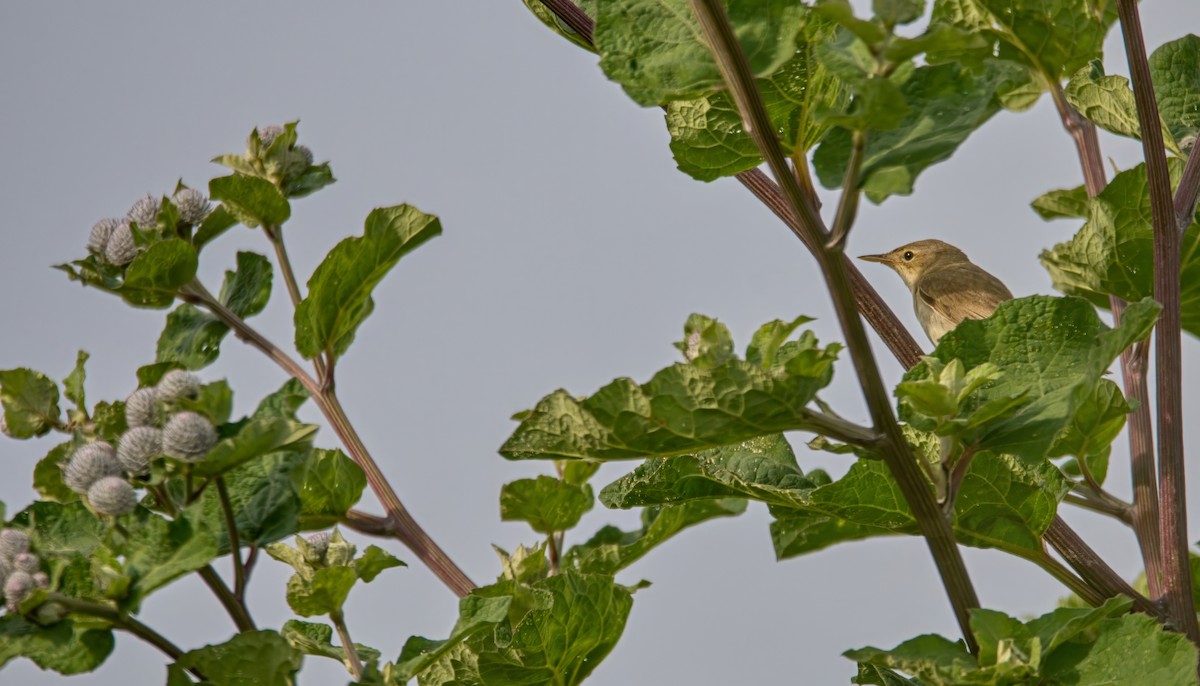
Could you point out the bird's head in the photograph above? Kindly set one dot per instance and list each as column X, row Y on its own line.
column 914, row 259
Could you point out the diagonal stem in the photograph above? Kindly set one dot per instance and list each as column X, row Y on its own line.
column 938, row 534
column 1168, row 362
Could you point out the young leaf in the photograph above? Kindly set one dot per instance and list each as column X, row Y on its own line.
column 159, row 550
column 216, row 223
column 1062, row 204
column 30, row 402
column 257, row 438
column 1175, row 71
column 64, row 647
column 283, row 403
column 48, row 473
column 252, row 200
column 324, row 592
column 329, row 484
column 548, row 504
column 476, row 613
column 156, row 275
column 770, row 338
column 682, row 409
column 1113, row 254
column 1099, row 417
column 262, row 658
column 312, row 638
column 339, row 292
column 373, row 561
column 1108, row 102
column 73, row 384
column 706, row 342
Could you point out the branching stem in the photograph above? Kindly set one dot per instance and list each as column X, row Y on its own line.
column 235, row 546
column 124, row 622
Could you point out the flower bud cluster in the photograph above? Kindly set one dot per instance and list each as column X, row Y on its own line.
column 283, row 164
column 112, row 240
column 158, row 427
column 20, row 570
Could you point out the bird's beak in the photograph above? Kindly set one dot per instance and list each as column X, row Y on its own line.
column 883, row 259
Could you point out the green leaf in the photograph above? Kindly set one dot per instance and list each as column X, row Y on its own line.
column 309, row 181
column 30, row 401
column 322, row 594
column 611, row 550
column 475, row 614
column 283, row 403
column 252, row 200
column 250, row 658
column 556, row 25
column 312, row 638
column 1113, row 254
column 339, row 292
column 1062, row 204
column 706, row 342
column 1175, row 71
column 329, row 483
column 266, row 507
column 656, row 51
column 1107, row 101
column 881, row 676
column 214, row 400
column 61, row 529
column 708, row 139
column 682, row 409
column 216, row 223
column 945, row 104
column 73, row 384
column 878, row 102
column 156, row 275
column 373, row 561
column 548, row 504
column 1053, row 351
column 1098, row 420
column 255, row 439
column 192, row 337
column 63, row 647
column 160, row 550
column 1133, row 649
column 48, row 473
column 770, row 338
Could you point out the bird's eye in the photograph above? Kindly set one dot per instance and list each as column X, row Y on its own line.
column 908, row 255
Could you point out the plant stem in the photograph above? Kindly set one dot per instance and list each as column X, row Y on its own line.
column 403, row 526
column 339, row 623
column 1168, row 362
column 236, row 610
column 1188, row 190
column 1092, row 568
column 841, row 430
column 122, row 621
column 275, row 235
column 1121, row 514
column 847, row 208
column 1077, row 585
column 938, row 534
column 552, row 552
column 235, row 547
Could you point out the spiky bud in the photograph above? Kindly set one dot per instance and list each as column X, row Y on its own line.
column 120, row 249
column 137, row 449
column 13, row 542
column 27, row 562
column 177, row 384
column 267, row 134
column 98, row 239
column 90, row 462
column 112, row 496
column 17, row 587
column 144, row 212
column 192, row 204
column 141, row 407
column 188, row 436
column 41, row 579
column 319, row 543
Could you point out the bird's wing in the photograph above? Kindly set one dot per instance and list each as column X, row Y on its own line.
column 942, row 290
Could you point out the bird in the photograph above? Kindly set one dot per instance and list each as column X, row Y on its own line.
column 947, row 287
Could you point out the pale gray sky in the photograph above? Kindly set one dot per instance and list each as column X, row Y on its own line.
column 573, row 252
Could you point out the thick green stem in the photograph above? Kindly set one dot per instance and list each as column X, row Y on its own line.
column 1168, row 361
column 898, row 457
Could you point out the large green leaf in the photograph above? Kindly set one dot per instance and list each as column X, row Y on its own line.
column 63, row 647
column 946, row 103
column 253, row 440
column 160, row 550
column 252, row 200
column 708, row 139
column 61, row 528
column 339, row 292
column 329, row 483
column 250, row 658
column 323, row 592
column 30, row 401
column 156, row 275
column 475, row 614
column 1052, row 353
column 1108, row 102
column 265, row 504
column 682, row 409
column 655, row 48
column 192, row 336
column 547, row 503
column 1113, row 254
column 1175, row 71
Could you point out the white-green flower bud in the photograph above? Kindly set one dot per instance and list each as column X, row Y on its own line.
column 144, row 212
column 6, row 568
column 306, row 155
column 177, row 384
column 137, row 449
column 41, row 579
column 120, row 249
column 141, row 407
column 90, row 462
column 189, row 436
column 17, row 587
column 192, row 204
column 319, row 544
column 12, row 543
column 27, row 562
column 267, row 134
column 112, row 496
column 101, row 230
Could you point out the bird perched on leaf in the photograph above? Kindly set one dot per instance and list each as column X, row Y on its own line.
column 946, row 286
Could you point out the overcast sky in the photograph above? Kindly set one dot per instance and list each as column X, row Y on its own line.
column 573, row 252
